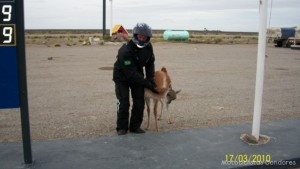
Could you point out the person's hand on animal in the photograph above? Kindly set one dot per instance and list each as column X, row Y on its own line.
column 151, row 86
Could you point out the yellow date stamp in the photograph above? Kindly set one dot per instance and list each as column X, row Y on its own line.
column 246, row 158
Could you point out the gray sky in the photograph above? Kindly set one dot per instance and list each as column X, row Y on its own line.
column 224, row 15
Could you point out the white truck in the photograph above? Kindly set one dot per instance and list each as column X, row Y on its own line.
column 284, row 37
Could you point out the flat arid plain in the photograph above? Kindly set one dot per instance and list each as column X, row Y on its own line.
column 71, row 92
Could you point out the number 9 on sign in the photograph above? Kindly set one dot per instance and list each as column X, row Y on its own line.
column 6, row 12
column 7, row 35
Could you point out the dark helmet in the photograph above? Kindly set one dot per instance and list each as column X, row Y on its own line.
column 141, row 29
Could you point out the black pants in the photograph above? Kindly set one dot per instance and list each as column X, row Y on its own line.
column 123, row 104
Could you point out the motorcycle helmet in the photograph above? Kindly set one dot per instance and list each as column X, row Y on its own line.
column 141, row 29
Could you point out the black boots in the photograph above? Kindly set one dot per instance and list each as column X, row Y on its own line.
column 136, row 131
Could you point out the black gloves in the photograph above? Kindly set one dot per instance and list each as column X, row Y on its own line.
column 149, row 84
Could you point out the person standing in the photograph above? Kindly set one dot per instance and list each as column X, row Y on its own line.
column 134, row 58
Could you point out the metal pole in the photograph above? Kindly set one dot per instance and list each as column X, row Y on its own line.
column 104, row 18
column 111, row 17
column 263, row 9
column 23, row 82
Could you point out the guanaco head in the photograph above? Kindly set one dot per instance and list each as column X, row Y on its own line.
column 172, row 95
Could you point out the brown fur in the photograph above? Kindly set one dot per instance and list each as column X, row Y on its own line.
column 165, row 96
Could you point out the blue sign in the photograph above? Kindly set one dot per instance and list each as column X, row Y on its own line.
column 9, row 89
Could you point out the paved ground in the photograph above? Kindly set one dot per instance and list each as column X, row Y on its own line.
column 72, row 94
column 204, row 148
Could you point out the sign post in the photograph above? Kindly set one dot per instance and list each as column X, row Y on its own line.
column 23, row 82
column 13, row 82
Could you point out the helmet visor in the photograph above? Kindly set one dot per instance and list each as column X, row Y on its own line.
column 141, row 40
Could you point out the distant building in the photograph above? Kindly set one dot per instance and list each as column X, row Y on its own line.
column 119, row 33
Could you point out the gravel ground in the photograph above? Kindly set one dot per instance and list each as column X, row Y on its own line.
column 72, row 94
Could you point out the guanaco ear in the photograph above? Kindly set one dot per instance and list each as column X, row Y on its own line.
column 164, row 69
column 178, row 91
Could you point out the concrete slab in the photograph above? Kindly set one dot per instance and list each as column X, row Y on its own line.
column 203, row 148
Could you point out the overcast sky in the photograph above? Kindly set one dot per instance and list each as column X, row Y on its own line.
column 224, row 15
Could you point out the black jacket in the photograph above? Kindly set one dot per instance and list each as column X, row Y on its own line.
column 130, row 63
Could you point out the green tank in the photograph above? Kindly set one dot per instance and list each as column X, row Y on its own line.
column 176, row 35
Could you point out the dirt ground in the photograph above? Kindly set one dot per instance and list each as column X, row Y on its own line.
column 71, row 92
